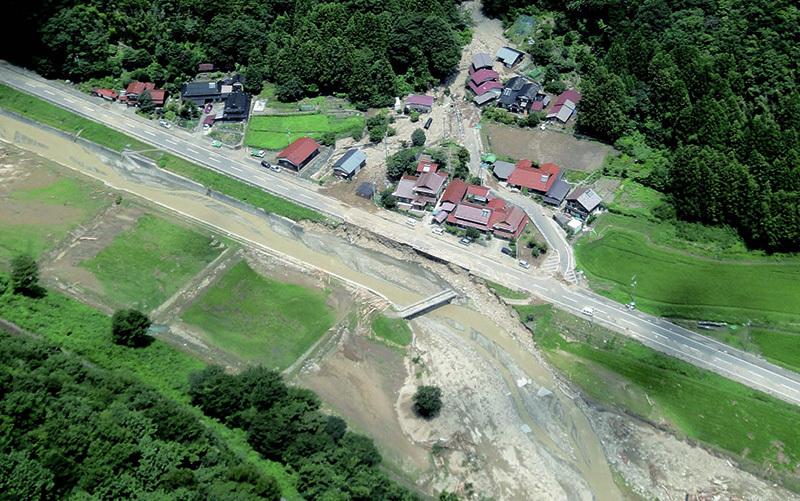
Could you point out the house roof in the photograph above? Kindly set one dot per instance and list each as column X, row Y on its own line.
column 419, row 99
column 561, row 112
column 455, row 191
column 535, row 179
column 139, row 87
column 509, row 221
column 496, row 203
column 485, row 87
column 568, row 95
column 405, row 187
column 350, row 161
column 482, row 61
column 484, row 75
column 469, row 214
column 586, row 197
column 365, row 190
column 107, row 93
column 209, row 119
column 508, row 55
column 477, row 191
column 430, row 183
column 204, row 67
column 299, row 151
column 480, row 100
column 555, row 195
column 237, row 107
column 425, row 166
column 197, row 89
column 525, row 163
column 159, row 96
column 503, row 169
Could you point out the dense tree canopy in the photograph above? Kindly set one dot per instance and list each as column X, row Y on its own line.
column 75, row 432
column 129, row 328
column 712, row 84
column 367, row 49
column 24, row 274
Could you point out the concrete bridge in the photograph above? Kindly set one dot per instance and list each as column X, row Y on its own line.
column 426, row 304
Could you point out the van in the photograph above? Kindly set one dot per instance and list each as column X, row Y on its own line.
column 411, row 222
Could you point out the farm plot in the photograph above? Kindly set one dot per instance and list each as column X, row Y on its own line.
column 260, row 319
column 677, row 284
column 274, row 132
column 149, row 262
column 39, row 205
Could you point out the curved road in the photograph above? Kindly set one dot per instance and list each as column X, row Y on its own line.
column 651, row 331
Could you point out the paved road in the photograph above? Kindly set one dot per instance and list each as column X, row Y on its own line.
column 651, row 331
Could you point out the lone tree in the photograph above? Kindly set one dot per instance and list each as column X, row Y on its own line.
column 24, row 274
column 417, row 137
column 129, row 328
column 428, row 401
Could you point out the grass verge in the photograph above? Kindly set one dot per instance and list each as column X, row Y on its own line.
column 756, row 428
column 261, row 320
column 503, row 291
column 85, row 332
column 148, row 263
column 394, row 330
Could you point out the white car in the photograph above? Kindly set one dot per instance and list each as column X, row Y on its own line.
column 165, row 124
column 437, row 231
column 588, row 311
column 524, row 264
column 411, row 222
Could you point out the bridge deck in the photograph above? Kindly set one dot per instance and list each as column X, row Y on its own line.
column 433, row 301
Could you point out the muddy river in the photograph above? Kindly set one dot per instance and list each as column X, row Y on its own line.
column 555, row 428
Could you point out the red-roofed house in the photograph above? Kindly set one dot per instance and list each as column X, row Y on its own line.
column 419, row 103
column 134, row 90
column 485, row 87
column 107, row 94
column 455, row 192
column 424, row 166
column 539, row 180
column 467, row 215
column 298, row 154
column 508, row 221
column 159, row 97
column 478, row 193
column 565, row 105
column 484, row 75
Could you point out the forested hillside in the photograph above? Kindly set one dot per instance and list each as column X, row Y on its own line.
column 712, row 83
column 367, row 49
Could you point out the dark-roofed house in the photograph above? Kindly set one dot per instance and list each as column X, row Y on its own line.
column 557, row 192
column 539, row 180
column 200, row 93
column 107, row 94
column 237, row 107
column 298, row 154
column 503, row 169
column 565, row 105
column 480, row 61
column 508, row 56
column 419, row 103
column 518, row 95
column 350, row 163
column 582, row 202
column 365, row 190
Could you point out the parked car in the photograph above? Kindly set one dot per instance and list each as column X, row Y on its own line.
column 258, row 153
column 437, row 231
column 411, row 222
column 506, row 250
column 265, row 164
column 524, row 264
column 165, row 124
column 274, row 168
column 216, row 144
column 208, row 108
column 465, row 241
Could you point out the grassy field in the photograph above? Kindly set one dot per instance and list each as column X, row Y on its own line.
column 237, row 189
column 147, row 264
column 85, row 332
column 262, row 320
column 395, row 330
column 275, row 132
column 75, row 201
column 676, row 284
column 760, row 430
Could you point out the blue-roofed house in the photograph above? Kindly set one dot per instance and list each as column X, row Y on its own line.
column 508, row 56
column 350, row 163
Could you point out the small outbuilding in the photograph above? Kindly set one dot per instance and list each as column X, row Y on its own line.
column 350, row 163
column 503, row 169
column 508, row 56
column 419, row 103
column 365, row 190
column 298, row 154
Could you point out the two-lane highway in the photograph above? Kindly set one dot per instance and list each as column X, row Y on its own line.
column 651, row 331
